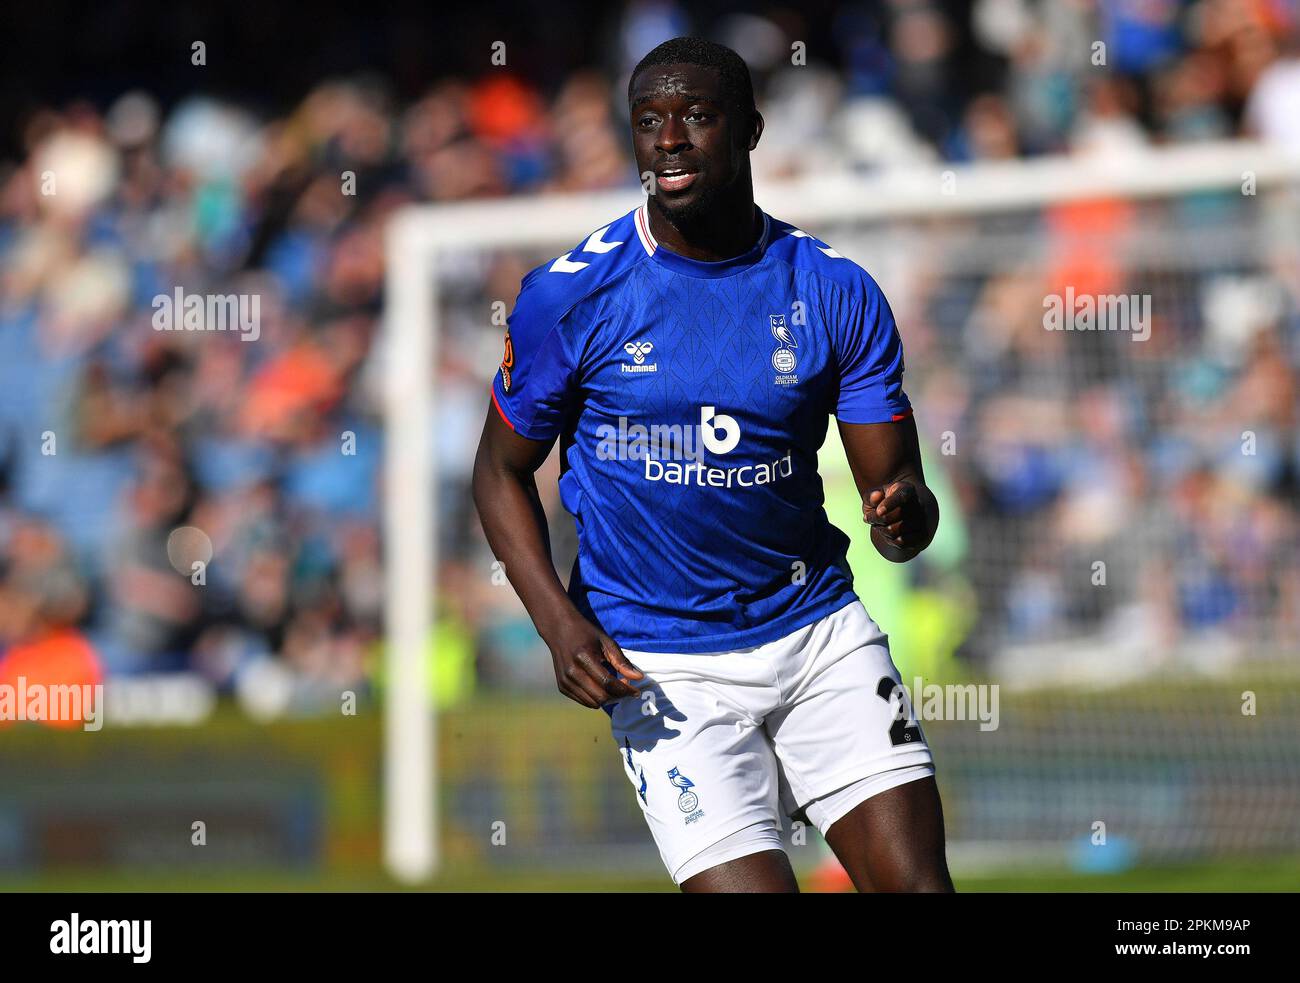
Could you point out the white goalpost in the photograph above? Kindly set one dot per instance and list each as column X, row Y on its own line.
column 419, row 237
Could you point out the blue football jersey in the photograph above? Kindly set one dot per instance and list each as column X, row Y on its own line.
column 690, row 400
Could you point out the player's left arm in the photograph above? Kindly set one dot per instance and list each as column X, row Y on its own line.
column 876, row 423
column 896, row 503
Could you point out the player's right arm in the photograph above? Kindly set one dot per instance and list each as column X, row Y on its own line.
column 505, row 492
column 531, row 394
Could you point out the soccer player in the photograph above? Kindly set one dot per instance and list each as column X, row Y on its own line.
column 688, row 357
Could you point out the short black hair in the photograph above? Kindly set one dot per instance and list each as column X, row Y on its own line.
column 737, row 87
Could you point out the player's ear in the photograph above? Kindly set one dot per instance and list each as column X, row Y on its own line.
column 758, row 130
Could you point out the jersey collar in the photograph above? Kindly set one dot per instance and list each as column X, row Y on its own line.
column 691, row 267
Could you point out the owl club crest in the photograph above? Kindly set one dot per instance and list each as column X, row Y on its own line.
column 687, row 801
column 783, row 359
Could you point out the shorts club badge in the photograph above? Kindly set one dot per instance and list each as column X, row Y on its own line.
column 687, row 801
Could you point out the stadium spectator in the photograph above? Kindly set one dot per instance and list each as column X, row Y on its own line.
column 272, row 448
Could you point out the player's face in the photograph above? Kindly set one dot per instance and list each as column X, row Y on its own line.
column 688, row 136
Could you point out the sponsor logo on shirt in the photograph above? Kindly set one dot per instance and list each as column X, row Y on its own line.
column 720, row 433
column 639, row 350
column 663, row 448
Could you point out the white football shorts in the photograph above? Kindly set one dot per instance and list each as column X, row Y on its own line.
column 719, row 745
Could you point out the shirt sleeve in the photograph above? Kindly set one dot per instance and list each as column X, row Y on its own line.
column 870, row 354
column 533, row 386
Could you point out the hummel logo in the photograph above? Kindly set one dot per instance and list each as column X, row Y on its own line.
column 638, row 350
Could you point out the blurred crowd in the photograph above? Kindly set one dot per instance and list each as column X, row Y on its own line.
column 208, row 501
column 1136, row 496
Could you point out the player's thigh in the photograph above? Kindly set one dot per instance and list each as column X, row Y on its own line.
column 767, row 872
column 894, row 840
column 703, row 773
column 846, row 717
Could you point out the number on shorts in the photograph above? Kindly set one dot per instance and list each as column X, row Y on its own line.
column 904, row 729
